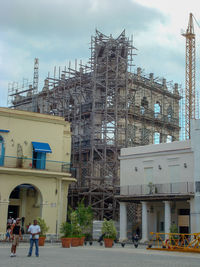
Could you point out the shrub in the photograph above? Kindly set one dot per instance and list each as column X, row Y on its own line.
column 43, row 226
column 66, row 229
column 108, row 229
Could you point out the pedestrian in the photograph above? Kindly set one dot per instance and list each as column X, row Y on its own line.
column 15, row 235
column 34, row 231
column 9, row 220
column 8, row 229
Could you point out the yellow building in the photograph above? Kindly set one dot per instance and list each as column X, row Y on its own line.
column 34, row 167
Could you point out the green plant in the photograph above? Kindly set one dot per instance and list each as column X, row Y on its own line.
column 76, row 229
column 173, row 230
column 108, row 229
column 84, row 217
column 66, row 229
column 43, row 226
column 151, row 187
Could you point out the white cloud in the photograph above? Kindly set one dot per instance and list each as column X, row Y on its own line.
column 59, row 31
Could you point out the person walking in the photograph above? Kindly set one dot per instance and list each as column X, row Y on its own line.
column 15, row 234
column 34, row 231
column 8, row 229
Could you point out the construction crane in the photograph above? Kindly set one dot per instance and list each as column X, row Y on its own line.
column 36, row 75
column 35, row 85
column 190, row 71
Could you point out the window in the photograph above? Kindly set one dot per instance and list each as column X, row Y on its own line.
column 39, row 160
column 2, row 151
column 39, row 155
column 157, row 109
column 169, row 113
column 108, row 132
column 145, row 136
column 131, row 132
column 144, row 105
column 169, row 139
column 156, row 138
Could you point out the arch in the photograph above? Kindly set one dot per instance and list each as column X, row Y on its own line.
column 2, row 151
column 25, row 201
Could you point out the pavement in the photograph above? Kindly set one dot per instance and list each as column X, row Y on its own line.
column 53, row 255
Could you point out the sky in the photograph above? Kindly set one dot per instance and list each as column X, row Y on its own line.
column 60, row 31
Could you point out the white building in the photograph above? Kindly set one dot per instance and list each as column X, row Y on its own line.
column 165, row 179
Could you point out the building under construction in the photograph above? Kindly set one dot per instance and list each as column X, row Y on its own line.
column 109, row 107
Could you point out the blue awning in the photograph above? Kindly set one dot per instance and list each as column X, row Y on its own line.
column 4, row 131
column 41, row 147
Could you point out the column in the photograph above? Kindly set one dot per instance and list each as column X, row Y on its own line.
column 23, row 194
column 167, row 217
column 195, row 201
column 123, row 221
column 3, row 215
column 144, row 222
column 195, row 214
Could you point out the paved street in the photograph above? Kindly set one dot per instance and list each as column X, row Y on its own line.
column 98, row 256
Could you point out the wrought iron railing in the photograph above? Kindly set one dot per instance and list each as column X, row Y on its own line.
column 152, row 189
column 34, row 163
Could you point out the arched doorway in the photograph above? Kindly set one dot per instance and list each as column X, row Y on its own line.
column 2, row 151
column 25, row 203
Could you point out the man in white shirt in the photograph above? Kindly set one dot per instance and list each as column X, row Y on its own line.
column 34, row 231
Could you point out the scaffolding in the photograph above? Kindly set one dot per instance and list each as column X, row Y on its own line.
column 20, row 96
column 109, row 107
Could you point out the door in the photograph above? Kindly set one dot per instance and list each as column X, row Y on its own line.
column 39, row 160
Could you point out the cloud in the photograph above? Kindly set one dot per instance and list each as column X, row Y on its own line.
column 59, row 31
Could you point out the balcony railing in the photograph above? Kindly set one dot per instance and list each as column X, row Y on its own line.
column 30, row 163
column 152, row 189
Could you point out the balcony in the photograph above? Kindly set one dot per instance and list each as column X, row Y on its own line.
column 30, row 163
column 180, row 190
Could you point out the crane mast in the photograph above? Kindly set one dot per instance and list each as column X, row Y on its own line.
column 189, row 76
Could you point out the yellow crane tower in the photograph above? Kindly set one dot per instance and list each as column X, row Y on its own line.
column 189, row 76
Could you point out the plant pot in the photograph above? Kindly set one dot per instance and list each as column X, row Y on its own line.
column 108, row 242
column 41, row 240
column 66, row 242
column 81, row 241
column 75, row 241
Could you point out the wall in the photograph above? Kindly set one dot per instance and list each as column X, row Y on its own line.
column 52, row 186
column 26, row 127
column 151, row 156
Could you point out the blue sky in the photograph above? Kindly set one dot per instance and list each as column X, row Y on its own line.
column 59, row 31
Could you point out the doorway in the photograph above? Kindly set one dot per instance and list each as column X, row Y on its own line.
column 13, row 211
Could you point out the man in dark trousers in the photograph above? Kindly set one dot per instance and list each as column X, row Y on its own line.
column 15, row 234
column 34, row 231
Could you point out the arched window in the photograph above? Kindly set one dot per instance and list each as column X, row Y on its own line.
column 144, row 105
column 169, row 113
column 157, row 109
column 145, row 136
column 156, row 138
column 169, row 139
column 2, row 151
column 144, row 102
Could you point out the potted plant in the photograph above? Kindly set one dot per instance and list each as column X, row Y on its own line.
column 109, row 232
column 85, row 218
column 66, row 230
column 174, row 237
column 76, row 230
column 151, row 188
column 44, row 228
